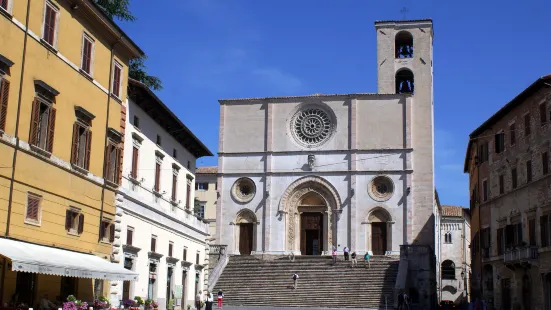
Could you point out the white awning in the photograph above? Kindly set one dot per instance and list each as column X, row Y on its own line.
column 28, row 257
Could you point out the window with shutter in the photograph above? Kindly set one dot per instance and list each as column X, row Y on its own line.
column 188, row 196
column 185, row 254
column 500, row 241
column 532, row 231
column 42, row 129
column 529, row 171
column 129, row 235
column 518, row 236
column 117, row 80
column 33, row 212
column 82, row 142
column 4, row 4
column 157, row 177
column 4, row 96
column 112, row 233
column 499, row 142
column 74, row 222
column 135, row 154
column 512, row 134
column 174, row 187
column 112, row 163
column 153, row 243
column 80, row 223
column 170, row 247
column 527, row 128
column 49, row 30
column 87, row 53
column 197, row 258
column 106, row 231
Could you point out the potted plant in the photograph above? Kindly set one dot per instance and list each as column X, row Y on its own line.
column 139, row 302
column 188, row 307
column 101, row 303
column 74, row 304
column 155, row 305
column 129, row 303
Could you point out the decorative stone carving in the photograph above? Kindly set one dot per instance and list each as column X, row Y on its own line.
column 312, row 126
column 243, row 190
column 311, row 161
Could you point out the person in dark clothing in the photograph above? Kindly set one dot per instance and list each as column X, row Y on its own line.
column 401, row 301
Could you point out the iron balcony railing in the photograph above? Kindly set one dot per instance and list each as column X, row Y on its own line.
column 521, row 254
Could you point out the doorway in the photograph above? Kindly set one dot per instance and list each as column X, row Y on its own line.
column 245, row 238
column 506, row 294
column 378, row 238
column 311, row 233
column 169, row 287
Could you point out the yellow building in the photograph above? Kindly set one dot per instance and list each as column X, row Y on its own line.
column 63, row 73
column 206, row 191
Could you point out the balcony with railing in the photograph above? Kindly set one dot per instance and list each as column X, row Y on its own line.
column 521, row 255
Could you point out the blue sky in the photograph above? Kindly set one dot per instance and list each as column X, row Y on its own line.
column 485, row 52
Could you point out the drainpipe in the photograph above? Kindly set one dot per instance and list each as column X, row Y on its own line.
column 14, row 159
column 112, row 59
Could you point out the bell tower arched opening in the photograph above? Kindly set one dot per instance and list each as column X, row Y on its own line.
column 403, row 45
column 404, row 82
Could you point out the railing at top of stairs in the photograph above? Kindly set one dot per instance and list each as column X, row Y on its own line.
column 223, row 259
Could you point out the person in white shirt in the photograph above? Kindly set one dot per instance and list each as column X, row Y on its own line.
column 295, row 281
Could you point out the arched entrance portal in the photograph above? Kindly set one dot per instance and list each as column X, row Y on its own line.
column 379, row 221
column 311, row 206
column 245, row 231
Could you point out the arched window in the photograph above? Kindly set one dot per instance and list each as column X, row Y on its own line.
column 448, row 237
column 404, row 82
column 448, row 270
column 403, row 45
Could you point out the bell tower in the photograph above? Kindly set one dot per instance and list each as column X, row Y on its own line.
column 404, row 62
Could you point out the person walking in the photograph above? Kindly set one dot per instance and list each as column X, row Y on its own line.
column 334, row 254
column 401, row 301
column 406, row 301
column 209, row 300
column 199, row 300
column 366, row 259
column 220, row 297
column 295, row 281
column 354, row 259
column 346, row 250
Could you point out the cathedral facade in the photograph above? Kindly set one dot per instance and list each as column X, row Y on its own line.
column 305, row 174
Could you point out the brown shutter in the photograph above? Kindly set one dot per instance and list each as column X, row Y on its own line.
column 68, row 220
column 80, row 223
column 74, row 148
column 112, row 232
column 174, row 186
column 35, row 119
column 135, row 163
column 107, row 161
column 4, row 94
column 118, row 166
column 102, row 230
column 206, row 186
column 88, row 149
column 157, row 176
column 153, row 244
column 129, row 236
column 196, row 186
column 51, row 130
column 188, row 194
column 32, row 208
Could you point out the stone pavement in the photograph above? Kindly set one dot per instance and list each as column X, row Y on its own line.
column 214, row 307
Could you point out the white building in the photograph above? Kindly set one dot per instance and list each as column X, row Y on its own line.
column 303, row 174
column 161, row 238
column 455, row 261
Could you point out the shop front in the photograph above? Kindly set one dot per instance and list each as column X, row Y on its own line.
column 36, row 276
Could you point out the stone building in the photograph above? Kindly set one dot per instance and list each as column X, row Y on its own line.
column 206, row 192
column 455, row 257
column 160, row 238
column 508, row 164
column 303, row 174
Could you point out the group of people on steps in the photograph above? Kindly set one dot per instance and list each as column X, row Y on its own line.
column 348, row 255
column 207, row 300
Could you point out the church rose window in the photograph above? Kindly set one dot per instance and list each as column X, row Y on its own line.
column 312, row 126
column 381, row 188
column 243, row 190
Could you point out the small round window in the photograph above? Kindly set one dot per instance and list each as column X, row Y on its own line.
column 381, row 188
column 243, row 190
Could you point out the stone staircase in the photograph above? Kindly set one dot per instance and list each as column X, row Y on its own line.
column 250, row 281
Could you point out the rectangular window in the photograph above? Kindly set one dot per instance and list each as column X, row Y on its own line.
column 174, row 154
column 543, row 114
column 117, row 79
column 514, row 177
column 74, row 222
column 129, row 235
column 545, row 163
column 518, row 234
column 107, row 231
column 527, row 129
column 82, row 144
column 510, row 234
column 87, row 54
column 512, row 134
column 112, row 163
column 197, row 258
column 42, row 125
column 4, row 4
column 501, row 184
column 529, row 171
column 157, row 177
column 174, row 186
column 188, row 195
column 153, row 243
column 136, row 122
column 500, row 142
column 485, row 190
column 135, row 158
column 532, row 231
column 500, row 241
column 170, row 247
column 202, row 186
column 4, row 95
column 201, row 212
column 33, row 214
column 483, row 153
column 159, row 140
column 185, row 254
column 544, row 230
column 49, row 30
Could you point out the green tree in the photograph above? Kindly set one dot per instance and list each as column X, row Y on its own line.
column 196, row 207
column 120, row 9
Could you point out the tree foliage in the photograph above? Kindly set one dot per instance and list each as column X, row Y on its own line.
column 137, row 72
column 117, row 8
column 196, row 207
column 120, row 9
